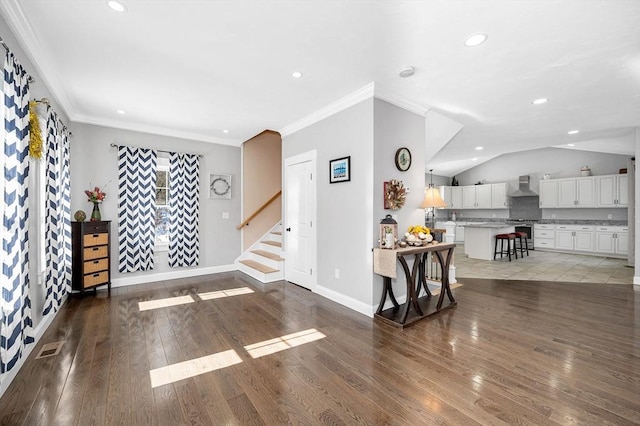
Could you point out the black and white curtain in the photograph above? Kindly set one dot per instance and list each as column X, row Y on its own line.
column 57, row 215
column 137, row 169
column 184, row 206
column 16, row 324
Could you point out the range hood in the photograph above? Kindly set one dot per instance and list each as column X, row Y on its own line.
column 523, row 188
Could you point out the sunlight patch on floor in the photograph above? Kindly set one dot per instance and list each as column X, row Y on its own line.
column 225, row 293
column 195, row 367
column 285, row 342
column 164, row 303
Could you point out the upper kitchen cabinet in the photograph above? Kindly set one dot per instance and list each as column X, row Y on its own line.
column 476, row 197
column 577, row 192
column 548, row 194
column 499, row 196
column 452, row 195
column 613, row 190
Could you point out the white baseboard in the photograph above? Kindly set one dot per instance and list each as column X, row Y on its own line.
column 636, row 280
column 38, row 332
column 172, row 275
column 344, row 300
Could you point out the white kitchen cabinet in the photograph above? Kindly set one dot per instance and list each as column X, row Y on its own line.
column 574, row 237
column 499, row 196
column 548, row 191
column 612, row 190
column 460, row 232
column 612, row 240
column 577, row 192
column 452, row 195
column 544, row 236
column 476, row 197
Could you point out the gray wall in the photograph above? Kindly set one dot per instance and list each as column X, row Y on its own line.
column 94, row 161
column 394, row 128
column 344, row 220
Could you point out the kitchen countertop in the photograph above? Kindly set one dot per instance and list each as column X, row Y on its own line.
column 489, row 225
column 603, row 222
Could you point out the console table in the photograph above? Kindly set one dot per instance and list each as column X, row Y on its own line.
column 415, row 308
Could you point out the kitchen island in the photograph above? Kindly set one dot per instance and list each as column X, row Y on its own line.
column 480, row 238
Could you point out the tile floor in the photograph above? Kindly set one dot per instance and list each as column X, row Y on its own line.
column 547, row 266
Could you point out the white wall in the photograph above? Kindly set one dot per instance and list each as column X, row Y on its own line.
column 395, row 128
column 94, row 161
column 344, row 221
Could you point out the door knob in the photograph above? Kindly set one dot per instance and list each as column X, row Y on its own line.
column 288, row 229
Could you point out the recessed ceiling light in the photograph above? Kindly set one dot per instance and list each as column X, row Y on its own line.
column 540, row 101
column 225, row 131
column 479, row 148
column 474, row 159
column 571, row 144
column 475, row 40
column 407, row 72
column 573, row 132
column 117, row 6
column 120, row 112
column 296, row 74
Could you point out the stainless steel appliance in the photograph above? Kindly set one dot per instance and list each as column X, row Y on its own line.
column 524, row 225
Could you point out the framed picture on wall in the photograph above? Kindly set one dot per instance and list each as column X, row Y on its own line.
column 219, row 187
column 340, row 170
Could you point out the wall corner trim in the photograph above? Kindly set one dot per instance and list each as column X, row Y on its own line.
column 172, row 275
column 344, row 300
column 636, row 280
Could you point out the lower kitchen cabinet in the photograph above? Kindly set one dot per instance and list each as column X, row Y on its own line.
column 574, row 237
column 544, row 236
column 612, row 240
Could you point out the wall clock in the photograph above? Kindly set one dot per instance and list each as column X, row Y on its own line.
column 403, row 159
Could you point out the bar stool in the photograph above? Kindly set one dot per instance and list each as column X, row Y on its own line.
column 521, row 246
column 505, row 238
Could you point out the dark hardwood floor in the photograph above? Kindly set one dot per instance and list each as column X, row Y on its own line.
column 511, row 352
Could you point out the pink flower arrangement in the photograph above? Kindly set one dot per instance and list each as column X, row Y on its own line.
column 95, row 196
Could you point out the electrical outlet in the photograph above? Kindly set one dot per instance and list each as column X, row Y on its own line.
column 553, row 216
column 494, row 215
column 609, row 216
column 225, row 215
column 336, row 272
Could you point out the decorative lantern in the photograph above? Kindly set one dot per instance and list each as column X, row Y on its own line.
column 388, row 233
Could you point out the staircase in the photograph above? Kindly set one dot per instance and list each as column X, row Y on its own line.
column 264, row 261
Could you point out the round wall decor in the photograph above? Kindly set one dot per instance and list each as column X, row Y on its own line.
column 403, row 159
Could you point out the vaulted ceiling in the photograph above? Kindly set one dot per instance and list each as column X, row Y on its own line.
column 195, row 68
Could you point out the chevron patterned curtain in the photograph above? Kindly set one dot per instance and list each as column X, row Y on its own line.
column 57, row 215
column 136, row 208
column 16, row 325
column 184, row 206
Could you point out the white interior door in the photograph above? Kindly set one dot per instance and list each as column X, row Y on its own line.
column 299, row 221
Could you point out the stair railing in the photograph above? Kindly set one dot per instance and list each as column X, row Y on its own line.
column 259, row 210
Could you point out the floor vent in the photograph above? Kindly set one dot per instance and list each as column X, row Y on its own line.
column 50, row 349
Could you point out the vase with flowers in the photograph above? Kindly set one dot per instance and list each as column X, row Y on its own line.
column 96, row 197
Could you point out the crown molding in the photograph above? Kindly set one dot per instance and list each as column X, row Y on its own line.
column 341, row 104
column 17, row 21
column 154, row 130
column 394, row 98
column 371, row 90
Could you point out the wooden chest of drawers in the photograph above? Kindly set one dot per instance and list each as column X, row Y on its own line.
column 91, row 255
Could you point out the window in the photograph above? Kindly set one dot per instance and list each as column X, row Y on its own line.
column 162, row 204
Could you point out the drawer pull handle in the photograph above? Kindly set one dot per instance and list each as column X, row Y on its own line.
column 96, row 249
column 96, row 275
column 96, row 235
column 95, row 262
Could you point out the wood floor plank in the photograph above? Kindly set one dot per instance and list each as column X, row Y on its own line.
column 511, row 352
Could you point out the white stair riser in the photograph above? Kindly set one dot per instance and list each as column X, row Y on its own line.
column 271, row 249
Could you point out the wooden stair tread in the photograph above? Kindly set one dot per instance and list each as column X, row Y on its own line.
column 259, row 266
column 268, row 254
column 273, row 243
